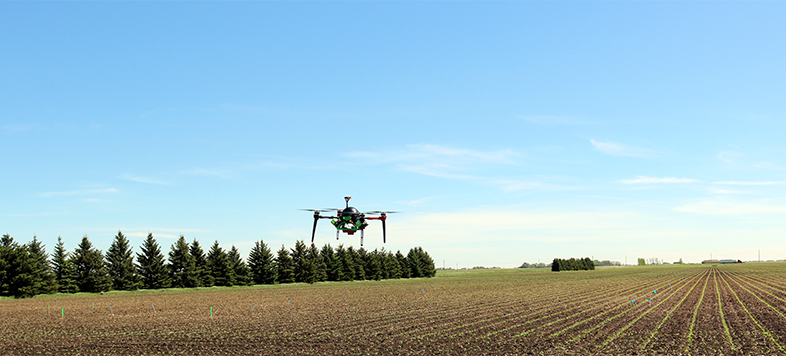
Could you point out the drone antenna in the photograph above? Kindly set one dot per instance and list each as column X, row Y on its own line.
column 347, row 200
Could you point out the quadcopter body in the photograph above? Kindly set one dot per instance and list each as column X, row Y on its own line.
column 349, row 220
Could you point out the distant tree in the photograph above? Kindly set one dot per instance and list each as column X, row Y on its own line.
column 44, row 278
column 182, row 265
column 285, row 266
column 150, row 265
column 393, row 265
column 218, row 264
column 372, row 265
column 304, row 268
column 331, row 262
column 63, row 268
column 92, row 275
column 121, row 264
column 427, row 267
column 358, row 263
column 262, row 264
column 19, row 276
column 404, row 265
column 200, row 263
column 414, row 264
column 642, row 262
column 320, row 267
column 241, row 272
column 345, row 263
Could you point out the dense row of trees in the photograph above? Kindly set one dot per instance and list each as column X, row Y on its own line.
column 26, row 270
column 572, row 264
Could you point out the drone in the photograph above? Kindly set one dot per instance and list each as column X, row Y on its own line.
column 349, row 220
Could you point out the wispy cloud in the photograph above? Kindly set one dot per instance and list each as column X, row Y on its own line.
column 208, row 172
column 78, row 192
column 730, row 157
column 141, row 179
column 766, row 182
column 716, row 207
column 441, row 161
column 46, row 213
column 652, row 180
column 618, row 149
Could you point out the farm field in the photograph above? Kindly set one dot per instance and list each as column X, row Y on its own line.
column 691, row 309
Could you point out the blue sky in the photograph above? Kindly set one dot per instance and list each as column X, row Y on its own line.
column 505, row 131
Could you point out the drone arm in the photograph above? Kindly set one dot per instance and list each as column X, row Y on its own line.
column 314, row 229
column 382, row 218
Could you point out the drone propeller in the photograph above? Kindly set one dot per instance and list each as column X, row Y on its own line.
column 381, row 212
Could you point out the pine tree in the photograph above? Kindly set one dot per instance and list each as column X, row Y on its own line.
column 218, row 264
column 393, row 265
column 262, row 264
column 285, row 266
column 414, row 264
column 372, row 265
column 150, row 265
column 403, row 265
column 45, row 282
column 320, row 267
column 331, row 263
column 200, row 261
column 63, row 268
column 305, row 271
column 182, row 265
column 346, row 264
column 19, row 279
column 241, row 271
column 357, row 263
column 121, row 264
column 92, row 276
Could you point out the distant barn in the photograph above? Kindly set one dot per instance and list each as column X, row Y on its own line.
column 710, row 261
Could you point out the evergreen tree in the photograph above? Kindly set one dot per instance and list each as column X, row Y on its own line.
column 331, row 263
column 393, row 266
column 305, row 270
column 372, row 265
column 63, row 268
column 357, row 263
column 241, row 271
column 403, row 265
column 414, row 264
column 200, row 261
column 427, row 267
column 345, row 263
column 262, row 264
column 182, row 265
column 92, row 276
column 18, row 278
column 121, row 264
column 285, row 266
column 218, row 264
column 320, row 267
column 44, row 278
column 150, row 265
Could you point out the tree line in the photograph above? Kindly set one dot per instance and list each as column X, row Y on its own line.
column 572, row 264
column 26, row 269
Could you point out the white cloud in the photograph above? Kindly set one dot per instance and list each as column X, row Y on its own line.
column 618, row 149
column 78, row 192
column 714, row 207
column 730, row 157
column 768, row 182
column 208, row 172
column 140, row 179
column 649, row 180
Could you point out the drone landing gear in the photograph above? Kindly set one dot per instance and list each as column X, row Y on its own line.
column 361, row 237
column 337, row 231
